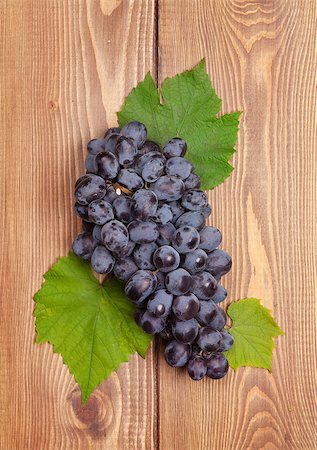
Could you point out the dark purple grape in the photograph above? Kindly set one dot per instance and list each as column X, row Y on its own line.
column 100, row 212
column 206, row 211
column 125, row 251
column 160, row 280
column 167, row 334
column 168, row 188
column 175, row 147
column 185, row 331
column 218, row 263
column 163, row 214
column 153, row 169
column 138, row 315
column 96, row 146
column 166, row 258
column 178, row 281
column 140, row 285
column 126, row 150
column 96, row 233
column 136, row 131
column 186, row 306
column 114, row 235
column 107, row 165
column 144, row 205
column 110, row 194
column 217, row 366
column 210, row 238
column 81, row 211
column 88, row 188
column 149, row 146
column 195, row 261
column 142, row 160
column 129, row 179
column 143, row 255
column 220, row 294
column 204, row 285
column 219, row 320
column 208, row 339
column 152, row 324
column 192, row 181
column 191, row 218
column 178, row 167
column 90, row 164
column 177, row 210
column 111, row 131
column 227, row 341
column 84, row 245
column 88, row 226
column 143, row 232
column 122, row 208
column 111, row 142
column 101, row 260
column 186, row 239
column 197, row 368
column 160, row 303
column 177, row 354
column 207, row 311
column 194, row 200
column 166, row 232
column 125, row 268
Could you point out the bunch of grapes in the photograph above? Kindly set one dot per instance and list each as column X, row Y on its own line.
column 144, row 219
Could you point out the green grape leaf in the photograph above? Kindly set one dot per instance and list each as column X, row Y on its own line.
column 253, row 330
column 189, row 110
column 91, row 325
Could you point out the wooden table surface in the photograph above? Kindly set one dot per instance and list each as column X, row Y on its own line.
column 65, row 69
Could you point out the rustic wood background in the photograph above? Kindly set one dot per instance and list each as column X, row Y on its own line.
column 65, row 69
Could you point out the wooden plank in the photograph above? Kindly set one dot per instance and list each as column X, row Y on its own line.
column 65, row 68
column 260, row 55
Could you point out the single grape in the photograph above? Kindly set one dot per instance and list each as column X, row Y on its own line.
column 140, row 285
column 166, row 258
column 204, row 285
column 207, row 311
column 122, row 208
column 125, row 268
column 81, row 211
column 101, row 260
column 210, row 239
column 143, row 255
column 114, row 235
column 191, row 218
column 195, row 261
column 149, row 146
column 185, row 331
column 129, row 179
column 168, row 188
column 197, row 368
column 194, row 200
column 152, row 324
column 178, row 167
column 192, row 181
column 208, row 339
column 126, row 150
column 186, row 239
column 206, row 211
column 218, row 263
column 125, row 251
column 217, row 366
column 144, row 204
column 166, row 232
column 84, row 245
column 175, row 147
column 220, row 294
column 142, row 160
column 143, row 232
column 177, row 210
column 100, row 212
column 95, row 146
column 111, row 142
column 178, row 281
column 160, row 280
column 90, row 164
column 107, row 165
column 219, row 320
column 96, row 233
column 153, row 169
column 177, row 354
column 186, row 306
column 136, row 131
column 88, row 188
column 111, row 131
column 227, row 341
column 160, row 303
column 163, row 214
column 110, row 194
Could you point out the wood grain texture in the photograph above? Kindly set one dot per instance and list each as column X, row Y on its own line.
column 65, row 68
column 260, row 55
